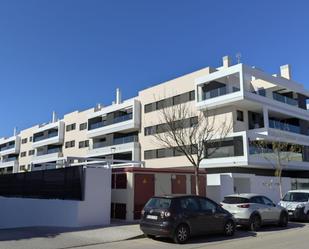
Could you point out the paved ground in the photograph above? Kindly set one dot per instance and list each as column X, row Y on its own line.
column 295, row 236
column 60, row 238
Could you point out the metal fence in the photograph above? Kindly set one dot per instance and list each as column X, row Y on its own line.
column 64, row 183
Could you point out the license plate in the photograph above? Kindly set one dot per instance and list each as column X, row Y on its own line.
column 152, row 217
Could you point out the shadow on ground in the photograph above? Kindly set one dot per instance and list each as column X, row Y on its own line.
column 240, row 233
column 50, row 232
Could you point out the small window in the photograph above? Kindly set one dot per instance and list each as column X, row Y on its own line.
column 207, row 205
column 193, row 121
column 70, row 144
column 24, row 140
column 23, row 154
column 22, row 167
column 70, row 127
column 83, row 126
column 192, row 95
column 31, row 152
column 177, row 100
column 150, row 130
column 148, row 108
column 149, row 154
column 30, row 139
column 83, row 144
column 189, row 204
column 240, row 116
column 160, row 104
column 160, row 153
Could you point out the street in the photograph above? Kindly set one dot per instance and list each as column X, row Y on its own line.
column 295, row 236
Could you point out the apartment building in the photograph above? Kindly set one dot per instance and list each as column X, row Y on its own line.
column 260, row 106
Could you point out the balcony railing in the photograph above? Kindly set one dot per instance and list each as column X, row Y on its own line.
column 114, row 121
column 11, row 159
column 284, row 126
column 215, row 93
column 116, row 141
column 40, row 138
column 269, row 154
column 284, row 99
column 7, row 147
column 49, row 151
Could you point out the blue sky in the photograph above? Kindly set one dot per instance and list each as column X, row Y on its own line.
column 70, row 54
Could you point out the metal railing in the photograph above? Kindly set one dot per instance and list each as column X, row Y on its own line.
column 284, row 99
column 40, row 138
column 215, row 93
column 284, row 126
column 116, row 141
column 7, row 147
column 114, row 121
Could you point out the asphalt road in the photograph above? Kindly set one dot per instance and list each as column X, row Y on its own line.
column 296, row 235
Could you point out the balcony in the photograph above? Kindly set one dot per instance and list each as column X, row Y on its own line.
column 116, row 141
column 9, row 145
column 99, row 122
column 114, row 121
column 285, row 99
column 284, row 126
column 123, row 145
column 10, row 163
column 50, row 155
column 52, row 133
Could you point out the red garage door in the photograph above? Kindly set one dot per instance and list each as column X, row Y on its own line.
column 179, row 185
column 143, row 191
column 202, row 185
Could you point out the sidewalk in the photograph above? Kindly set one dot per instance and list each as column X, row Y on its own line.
column 60, row 238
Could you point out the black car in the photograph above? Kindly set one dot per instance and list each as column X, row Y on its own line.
column 180, row 217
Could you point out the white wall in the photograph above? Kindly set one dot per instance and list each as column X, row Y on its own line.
column 94, row 210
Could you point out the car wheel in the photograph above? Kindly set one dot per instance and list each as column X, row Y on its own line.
column 229, row 228
column 181, row 234
column 284, row 219
column 255, row 223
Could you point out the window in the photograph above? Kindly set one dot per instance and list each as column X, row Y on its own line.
column 22, row 167
column 160, row 104
column 23, row 154
column 267, row 201
column 207, row 205
column 193, row 121
column 119, row 181
column 148, row 108
column 70, row 127
column 24, row 140
column 83, row 126
column 70, row 144
column 189, row 204
column 240, row 116
column 83, row 144
column 150, row 130
column 149, row 154
column 177, row 100
column 31, row 152
column 192, row 95
column 30, row 139
column 257, row 199
column 160, row 153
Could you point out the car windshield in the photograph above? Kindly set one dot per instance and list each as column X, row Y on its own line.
column 158, row 203
column 235, row 200
column 296, row 197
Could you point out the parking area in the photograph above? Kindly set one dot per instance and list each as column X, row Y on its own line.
column 129, row 236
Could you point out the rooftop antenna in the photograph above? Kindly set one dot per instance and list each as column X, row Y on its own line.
column 238, row 57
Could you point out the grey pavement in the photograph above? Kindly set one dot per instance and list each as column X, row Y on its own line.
column 60, row 238
column 295, row 236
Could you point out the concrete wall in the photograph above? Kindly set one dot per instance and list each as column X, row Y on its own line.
column 94, row 210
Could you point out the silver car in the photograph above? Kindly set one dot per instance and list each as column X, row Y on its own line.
column 253, row 210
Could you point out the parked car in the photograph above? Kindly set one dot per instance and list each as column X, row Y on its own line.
column 297, row 204
column 180, row 217
column 253, row 210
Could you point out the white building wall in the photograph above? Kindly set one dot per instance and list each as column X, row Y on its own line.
column 94, row 210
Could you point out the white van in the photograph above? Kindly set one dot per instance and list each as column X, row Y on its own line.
column 297, row 204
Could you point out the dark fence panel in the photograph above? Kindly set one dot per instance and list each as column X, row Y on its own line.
column 65, row 184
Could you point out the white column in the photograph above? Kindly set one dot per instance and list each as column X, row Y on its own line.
column 265, row 116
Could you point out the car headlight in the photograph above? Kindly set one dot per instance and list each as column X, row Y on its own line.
column 300, row 205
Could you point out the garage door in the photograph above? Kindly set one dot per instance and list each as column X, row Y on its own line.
column 143, row 191
column 179, row 184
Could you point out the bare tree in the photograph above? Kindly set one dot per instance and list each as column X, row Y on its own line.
column 190, row 133
column 278, row 154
